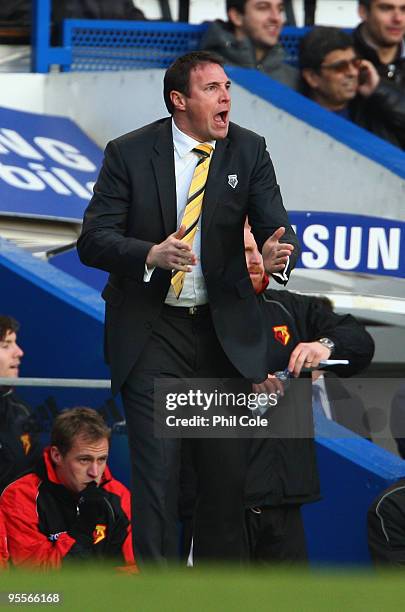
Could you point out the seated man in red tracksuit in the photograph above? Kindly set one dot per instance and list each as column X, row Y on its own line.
column 70, row 507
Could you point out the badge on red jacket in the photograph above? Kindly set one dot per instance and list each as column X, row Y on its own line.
column 99, row 533
column 282, row 334
column 26, row 442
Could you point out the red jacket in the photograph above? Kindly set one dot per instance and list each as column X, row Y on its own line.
column 39, row 512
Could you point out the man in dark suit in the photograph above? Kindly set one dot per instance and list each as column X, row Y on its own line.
column 180, row 307
column 282, row 475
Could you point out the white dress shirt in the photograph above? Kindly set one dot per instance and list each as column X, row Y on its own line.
column 194, row 291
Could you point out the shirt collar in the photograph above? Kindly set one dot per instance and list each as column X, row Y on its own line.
column 183, row 143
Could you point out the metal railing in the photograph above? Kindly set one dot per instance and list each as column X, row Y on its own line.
column 80, row 383
column 46, row 407
column 89, row 45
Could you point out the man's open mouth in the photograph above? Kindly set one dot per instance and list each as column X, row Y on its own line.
column 221, row 117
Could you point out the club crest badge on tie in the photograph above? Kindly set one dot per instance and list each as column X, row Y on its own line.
column 232, row 180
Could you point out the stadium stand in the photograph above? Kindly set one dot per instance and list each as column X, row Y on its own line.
column 348, row 191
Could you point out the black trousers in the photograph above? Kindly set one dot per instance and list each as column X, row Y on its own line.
column 183, row 346
column 276, row 535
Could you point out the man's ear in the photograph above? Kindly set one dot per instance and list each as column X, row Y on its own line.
column 178, row 100
column 235, row 17
column 311, row 78
column 56, row 455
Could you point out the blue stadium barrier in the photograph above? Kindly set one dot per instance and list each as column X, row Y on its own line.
column 117, row 45
column 127, row 45
column 89, row 45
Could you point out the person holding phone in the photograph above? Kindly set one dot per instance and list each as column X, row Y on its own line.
column 336, row 78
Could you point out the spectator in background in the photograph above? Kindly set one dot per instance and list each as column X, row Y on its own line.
column 334, row 77
column 70, row 507
column 19, row 439
column 250, row 38
column 380, row 38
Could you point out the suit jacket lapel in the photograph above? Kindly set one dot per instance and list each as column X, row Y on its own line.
column 163, row 166
column 215, row 175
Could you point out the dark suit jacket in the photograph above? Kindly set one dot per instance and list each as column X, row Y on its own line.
column 134, row 207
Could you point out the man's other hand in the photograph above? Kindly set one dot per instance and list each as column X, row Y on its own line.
column 308, row 355
column 369, row 79
column 275, row 253
column 269, row 386
column 92, row 507
column 172, row 253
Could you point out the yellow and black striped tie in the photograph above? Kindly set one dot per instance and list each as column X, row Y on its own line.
column 192, row 211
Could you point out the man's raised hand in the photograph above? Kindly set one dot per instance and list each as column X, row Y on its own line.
column 275, row 253
column 172, row 253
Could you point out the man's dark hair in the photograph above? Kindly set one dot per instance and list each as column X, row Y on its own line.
column 8, row 324
column 320, row 41
column 239, row 5
column 78, row 421
column 366, row 3
column 177, row 76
